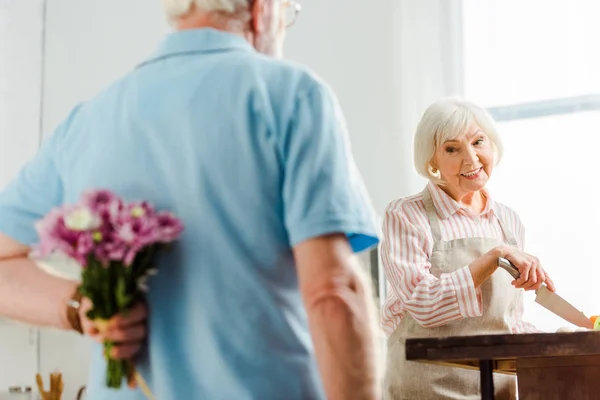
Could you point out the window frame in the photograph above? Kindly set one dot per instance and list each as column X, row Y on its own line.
column 545, row 108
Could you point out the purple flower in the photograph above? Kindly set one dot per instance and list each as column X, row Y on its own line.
column 85, row 244
column 98, row 200
column 138, row 232
column 53, row 233
column 103, row 227
column 47, row 228
column 137, row 228
column 111, row 249
column 56, row 235
column 130, row 255
column 141, row 209
column 104, row 203
column 169, row 227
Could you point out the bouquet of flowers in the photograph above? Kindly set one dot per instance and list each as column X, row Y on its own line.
column 116, row 244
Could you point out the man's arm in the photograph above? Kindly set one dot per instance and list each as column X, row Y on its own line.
column 342, row 318
column 29, row 294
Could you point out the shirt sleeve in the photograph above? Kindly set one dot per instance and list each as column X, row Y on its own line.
column 431, row 301
column 35, row 191
column 323, row 192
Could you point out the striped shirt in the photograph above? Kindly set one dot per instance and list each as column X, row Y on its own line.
column 407, row 246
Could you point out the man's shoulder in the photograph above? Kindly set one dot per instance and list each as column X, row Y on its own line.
column 290, row 73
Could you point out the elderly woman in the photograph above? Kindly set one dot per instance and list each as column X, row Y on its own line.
column 440, row 253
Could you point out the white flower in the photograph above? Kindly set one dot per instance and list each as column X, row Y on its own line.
column 142, row 283
column 82, row 219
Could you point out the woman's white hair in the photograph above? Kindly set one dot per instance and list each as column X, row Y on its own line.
column 178, row 8
column 444, row 120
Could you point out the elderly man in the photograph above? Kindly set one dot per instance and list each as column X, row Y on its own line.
column 251, row 152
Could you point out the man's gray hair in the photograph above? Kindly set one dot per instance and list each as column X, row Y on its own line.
column 177, row 8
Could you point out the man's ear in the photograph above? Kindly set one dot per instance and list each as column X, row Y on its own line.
column 257, row 16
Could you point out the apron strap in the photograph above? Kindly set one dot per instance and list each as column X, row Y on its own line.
column 431, row 212
column 434, row 221
column 510, row 238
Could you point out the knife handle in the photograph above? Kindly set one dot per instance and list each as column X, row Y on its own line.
column 509, row 267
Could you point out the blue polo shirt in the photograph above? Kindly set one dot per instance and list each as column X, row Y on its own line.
column 252, row 153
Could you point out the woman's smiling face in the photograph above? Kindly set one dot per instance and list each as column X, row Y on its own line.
column 465, row 163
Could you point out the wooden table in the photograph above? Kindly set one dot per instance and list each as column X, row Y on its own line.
column 549, row 366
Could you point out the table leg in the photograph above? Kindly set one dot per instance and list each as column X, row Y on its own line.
column 487, row 379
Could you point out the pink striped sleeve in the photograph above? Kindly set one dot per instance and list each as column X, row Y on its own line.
column 431, row 301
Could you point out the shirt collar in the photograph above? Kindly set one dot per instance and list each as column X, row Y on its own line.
column 198, row 41
column 446, row 206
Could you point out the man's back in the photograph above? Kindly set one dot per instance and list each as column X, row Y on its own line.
column 250, row 153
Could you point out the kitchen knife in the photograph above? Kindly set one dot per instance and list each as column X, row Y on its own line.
column 550, row 300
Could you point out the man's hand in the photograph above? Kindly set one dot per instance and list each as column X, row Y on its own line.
column 128, row 332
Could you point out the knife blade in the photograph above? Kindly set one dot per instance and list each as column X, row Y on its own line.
column 550, row 300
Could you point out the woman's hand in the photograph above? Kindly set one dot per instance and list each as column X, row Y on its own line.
column 533, row 275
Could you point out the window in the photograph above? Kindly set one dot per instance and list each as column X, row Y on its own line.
column 534, row 65
column 525, row 51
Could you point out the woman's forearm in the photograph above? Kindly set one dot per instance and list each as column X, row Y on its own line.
column 483, row 267
column 30, row 295
column 435, row 301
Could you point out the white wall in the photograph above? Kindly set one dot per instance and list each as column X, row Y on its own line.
column 20, row 60
column 349, row 43
column 90, row 43
column 353, row 54
column 427, row 62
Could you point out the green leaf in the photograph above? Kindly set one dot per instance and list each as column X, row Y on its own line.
column 122, row 297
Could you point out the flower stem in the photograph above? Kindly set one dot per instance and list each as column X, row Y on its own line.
column 139, row 379
column 115, row 372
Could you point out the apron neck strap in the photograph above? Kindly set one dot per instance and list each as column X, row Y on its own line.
column 510, row 239
column 434, row 221
column 431, row 212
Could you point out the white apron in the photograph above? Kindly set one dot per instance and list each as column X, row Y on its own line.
column 417, row 381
